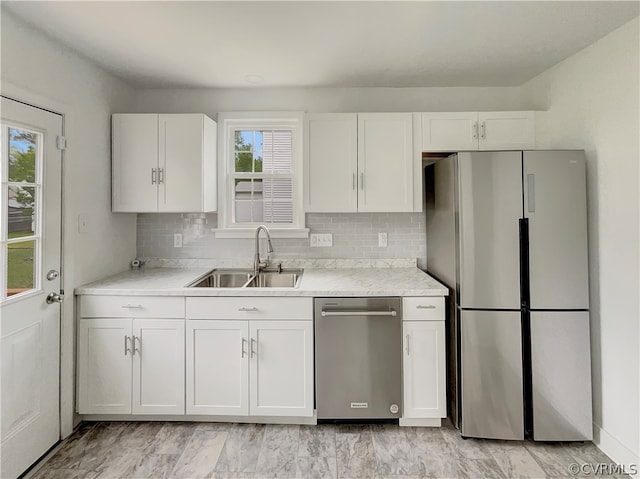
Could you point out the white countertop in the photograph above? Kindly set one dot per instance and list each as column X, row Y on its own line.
column 315, row 282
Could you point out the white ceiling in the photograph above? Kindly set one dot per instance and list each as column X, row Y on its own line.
column 158, row 44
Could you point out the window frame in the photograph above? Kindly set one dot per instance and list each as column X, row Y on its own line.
column 228, row 124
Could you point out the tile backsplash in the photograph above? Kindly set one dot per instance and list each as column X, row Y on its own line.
column 355, row 235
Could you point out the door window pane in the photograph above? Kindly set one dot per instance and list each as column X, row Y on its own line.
column 20, row 267
column 20, row 203
column 22, row 156
column 20, row 211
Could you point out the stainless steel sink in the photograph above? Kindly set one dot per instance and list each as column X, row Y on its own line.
column 284, row 279
column 223, row 278
column 244, row 278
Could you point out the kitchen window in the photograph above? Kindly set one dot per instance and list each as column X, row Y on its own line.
column 260, row 174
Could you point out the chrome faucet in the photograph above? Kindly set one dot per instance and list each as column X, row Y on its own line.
column 257, row 264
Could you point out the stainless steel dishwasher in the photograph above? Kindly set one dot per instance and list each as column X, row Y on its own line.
column 358, row 358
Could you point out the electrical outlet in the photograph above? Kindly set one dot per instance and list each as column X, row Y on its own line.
column 177, row 240
column 382, row 240
column 321, row 240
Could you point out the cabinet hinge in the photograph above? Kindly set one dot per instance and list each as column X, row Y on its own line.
column 61, row 142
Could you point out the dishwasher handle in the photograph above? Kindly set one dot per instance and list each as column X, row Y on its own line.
column 391, row 312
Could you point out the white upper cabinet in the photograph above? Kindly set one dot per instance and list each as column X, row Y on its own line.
column 359, row 162
column 456, row 131
column 331, row 162
column 385, row 162
column 164, row 163
column 469, row 131
column 506, row 130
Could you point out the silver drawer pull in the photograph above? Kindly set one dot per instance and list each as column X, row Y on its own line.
column 132, row 306
column 359, row 313
column 248, row 310
column 427, row 306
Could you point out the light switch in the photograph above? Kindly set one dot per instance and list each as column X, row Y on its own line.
column 177, row 240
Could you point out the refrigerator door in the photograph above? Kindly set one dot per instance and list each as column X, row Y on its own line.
column 489, row 193
column 555, row 205
column 491, row 370
column 561, row 374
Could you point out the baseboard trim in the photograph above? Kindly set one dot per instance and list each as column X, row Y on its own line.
column 612, row 447
column 312, row 420
column 421, row 422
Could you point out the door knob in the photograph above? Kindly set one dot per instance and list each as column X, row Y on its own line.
column 55, row 298
column 53, row 274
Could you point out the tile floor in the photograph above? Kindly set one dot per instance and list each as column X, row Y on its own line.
column 158, row 450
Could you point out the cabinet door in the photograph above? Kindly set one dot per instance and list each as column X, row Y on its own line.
column 455, row 131
column 506, row 130
column 331, row 163
column 217, row 367
column 181, row 163
column 385, row 162
column 104, row 366
column 158, row 366
column 281, row 368
column 135, row 163
column 424, row 369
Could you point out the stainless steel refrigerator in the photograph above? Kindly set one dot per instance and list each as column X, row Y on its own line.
column 507, row 232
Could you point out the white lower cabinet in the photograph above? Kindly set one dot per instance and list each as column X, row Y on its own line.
column 424, row 367
column 131, row 366
column 256, row 367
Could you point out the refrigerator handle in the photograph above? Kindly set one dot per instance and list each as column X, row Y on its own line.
column 524, row 262
column 531, row 193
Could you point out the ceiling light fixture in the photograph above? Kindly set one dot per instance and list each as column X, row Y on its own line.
column 253, row 79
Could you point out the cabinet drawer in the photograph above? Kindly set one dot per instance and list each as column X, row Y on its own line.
column 423, row 308
column 131, row 307
column 250, row 308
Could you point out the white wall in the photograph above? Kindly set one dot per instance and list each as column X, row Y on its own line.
column 593, row 104
column 39, row 70
column 327, row 100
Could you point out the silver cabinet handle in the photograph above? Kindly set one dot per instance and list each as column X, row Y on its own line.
column 427, row 306
column 353, row 185
column 242, row 352
column 408, row 344
column 126, row 345
column 531, row 193
column 248, row 310
column 153, row 176
column 362, row 181
column 475, row 130
column 160, row 175
column 132, row 306
column 254, row 352
column 483, row 135
column 138, row 349
column 359, row 313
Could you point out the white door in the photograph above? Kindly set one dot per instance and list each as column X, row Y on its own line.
column 424, row 369
column 158, row 366
column 331, row 163
column 104, row 366
column 450, row 131
column 135, row 162
column 217, row 367
column 30, row 242
column 385, row 162
column 281, row 368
